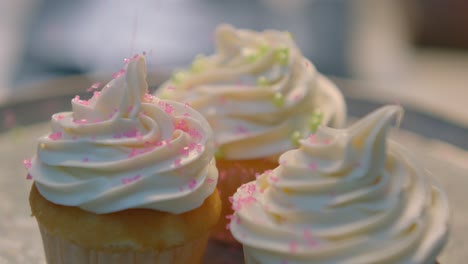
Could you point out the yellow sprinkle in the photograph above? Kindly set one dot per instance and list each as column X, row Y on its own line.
column 42, row 145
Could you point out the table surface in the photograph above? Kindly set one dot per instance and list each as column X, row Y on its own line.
column 20, row 240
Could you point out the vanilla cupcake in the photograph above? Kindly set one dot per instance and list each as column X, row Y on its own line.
column 125, row 178
column 344, row 196
column 260, row 95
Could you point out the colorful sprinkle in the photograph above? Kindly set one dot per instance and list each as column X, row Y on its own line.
column 94, row 86
column 55, row 136
column 177, row 162
column 293, row 246
column 27, row 163
column 28, row 177
column 192, row 184
column 278, row 99
column 295, row 137
column 178, row 77
column 118, row 74
column 148, row 98
column 79, row 101
column 312, row 166
column 315, row 121
column 262, row 81
column 168, row 108
column 198, row 63
column 281, row 56
column 131, row 179
column 311, row 242
column 185, row 151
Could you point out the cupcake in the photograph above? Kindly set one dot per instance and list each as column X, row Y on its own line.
column 125, row 178
column 344, row 196
column 260, row 95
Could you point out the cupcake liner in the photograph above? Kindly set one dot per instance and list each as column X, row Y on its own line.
column 232, row 174
column 61, row 251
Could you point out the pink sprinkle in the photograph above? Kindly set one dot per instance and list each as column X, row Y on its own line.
column 312, row 138
column 293, row 246
column 186, row 114
column 126, row 60
column 199, row 148
column 210, row 181
column 274, row 178
column 228, row 226
column 129, row 108
column 135, row 56
column 192, row 184
column 231, row 199
column 9, row 119
column 187, row 105
column 131, row 133
column 96, row 94
column 307, row 64
column 131, row 179
column 98, row 120
column 242, row 129
column 27, row 163
column 28, row 177
column 148, row 98
column 80, row 121
column 312, row 166
column 181, row 188
column 85, row 159
column 171, row 88
column 168, row 108
column 177, row 162
column 182, row 125
column 327, row 141
column 55, row 136
column 117, row 136
column 118, row 74
column 194, row 133
column 59, row 117
column 309, row 239
column 257, row 174
column 94, row 86
column 133, row 153
column 185, row 151
column 230, row 217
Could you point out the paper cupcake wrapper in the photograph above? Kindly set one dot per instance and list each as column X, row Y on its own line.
column 61, row 251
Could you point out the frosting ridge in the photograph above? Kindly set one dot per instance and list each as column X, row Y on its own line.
column 124, row 148
column 256, row 91
column 344, row 196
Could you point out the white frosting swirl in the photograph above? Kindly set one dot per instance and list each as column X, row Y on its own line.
column 125, row 149
column 343, row 197
column 256, row 92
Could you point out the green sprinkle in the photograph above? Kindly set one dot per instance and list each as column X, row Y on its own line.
column 262, row 81
column 295, row 137
column 281, row 56
column 257, row 54
column 198, row 63
column 219, row 154
column 315, row 121
column 278, row 99
column 178, row 77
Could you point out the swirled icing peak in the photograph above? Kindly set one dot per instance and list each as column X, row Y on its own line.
column 258, row 92
column 344, row 196
column 124, row 148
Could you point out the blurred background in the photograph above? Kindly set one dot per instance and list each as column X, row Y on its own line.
column 414, row 52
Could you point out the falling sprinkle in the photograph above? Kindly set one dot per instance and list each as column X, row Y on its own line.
column 118, row 74
column 295, row 137
column 27, row 163
column 278, row 99
column 55, row 136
